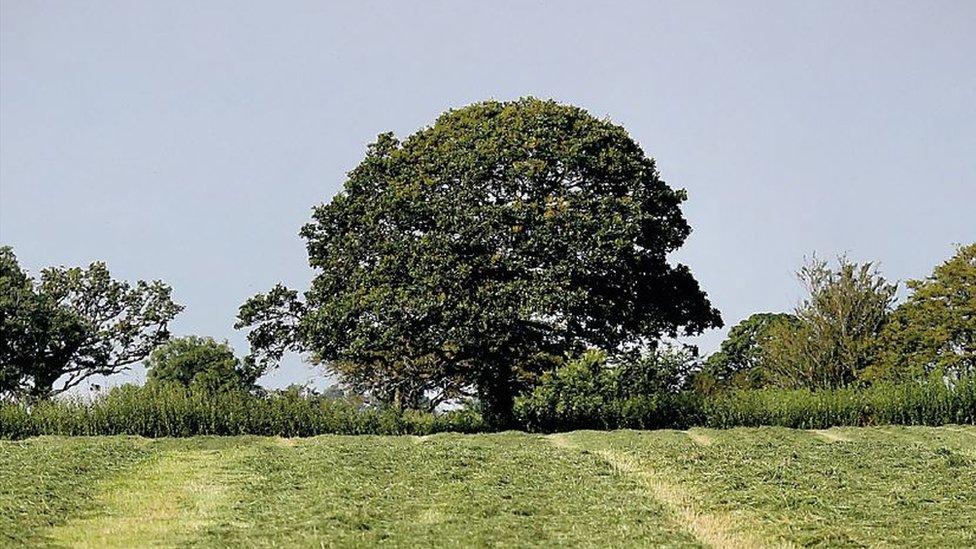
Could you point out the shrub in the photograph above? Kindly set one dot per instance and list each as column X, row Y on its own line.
column 576, row 396
column 201, row 362
column 587, row 393
column 562, row 403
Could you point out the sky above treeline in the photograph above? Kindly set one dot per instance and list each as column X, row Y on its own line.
column 188, row 141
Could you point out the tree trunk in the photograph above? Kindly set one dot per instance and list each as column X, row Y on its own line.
column 497, row 398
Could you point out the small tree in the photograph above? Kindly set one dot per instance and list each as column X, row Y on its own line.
column 201, row 362
column 476, row 250
column 935, row 329
column 739, row 360
column 835, row 337
column 72, row 324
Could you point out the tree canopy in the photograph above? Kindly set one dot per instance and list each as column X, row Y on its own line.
column 934, row 330
column 74, row 323
column 477, row 249
column 739, row 360
column 202, row 362
column 835, row 337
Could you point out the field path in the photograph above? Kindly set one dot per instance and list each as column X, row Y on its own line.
column 712, row 529
column 164, row 502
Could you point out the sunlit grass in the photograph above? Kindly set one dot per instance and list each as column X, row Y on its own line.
column 895, row 486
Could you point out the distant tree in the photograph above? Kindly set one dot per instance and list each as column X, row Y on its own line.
column 72, row 324
column 935, row 329
column 664, row 369
column 738, row 362
column 835, row 337
column 478, row 250
column 201, row 362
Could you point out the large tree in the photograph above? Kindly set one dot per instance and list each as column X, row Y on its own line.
column 74, row 323
column 935, row 329
column 478, row 250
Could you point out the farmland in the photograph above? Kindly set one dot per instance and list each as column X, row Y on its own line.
column 902, row 486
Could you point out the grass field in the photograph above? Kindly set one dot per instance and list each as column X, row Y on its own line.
column 885, row 486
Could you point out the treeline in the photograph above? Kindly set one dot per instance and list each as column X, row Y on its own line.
column 510, row 260
column 863, row 362
column 847, row 331
column 845, row 356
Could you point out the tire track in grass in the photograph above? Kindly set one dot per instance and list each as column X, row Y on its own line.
column 163, row 503
column 712, row 529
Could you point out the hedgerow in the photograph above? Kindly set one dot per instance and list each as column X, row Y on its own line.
column 169, row 410
column 173, row 411
column 931, row 401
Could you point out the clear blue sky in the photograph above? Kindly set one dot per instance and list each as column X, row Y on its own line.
column 188, row 141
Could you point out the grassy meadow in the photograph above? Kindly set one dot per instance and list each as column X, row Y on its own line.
column 744, row 487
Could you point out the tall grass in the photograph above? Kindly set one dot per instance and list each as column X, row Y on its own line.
column 928, row 402
column 174, row 411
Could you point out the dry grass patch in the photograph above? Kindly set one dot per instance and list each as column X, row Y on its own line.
column 830, row 435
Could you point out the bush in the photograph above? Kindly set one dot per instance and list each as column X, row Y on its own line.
column 575, row 396
column 201, row 362
column 581, row 396
column 586, row 393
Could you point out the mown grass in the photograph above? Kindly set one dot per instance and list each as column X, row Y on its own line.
column 510, row 489
column 851, row 487
column 169, row 500
column 45, row 480
column 894, row 486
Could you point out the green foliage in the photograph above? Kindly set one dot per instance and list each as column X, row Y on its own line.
column 739, row 361
column 170, row 410
column 582, row 395
column 927, row 402
column 665, row 369
column 72, row 324
column 587, row 393
column 505, row 233
column 835, row 337
column 201, row 362
column 935, row 329
column 575, row 394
